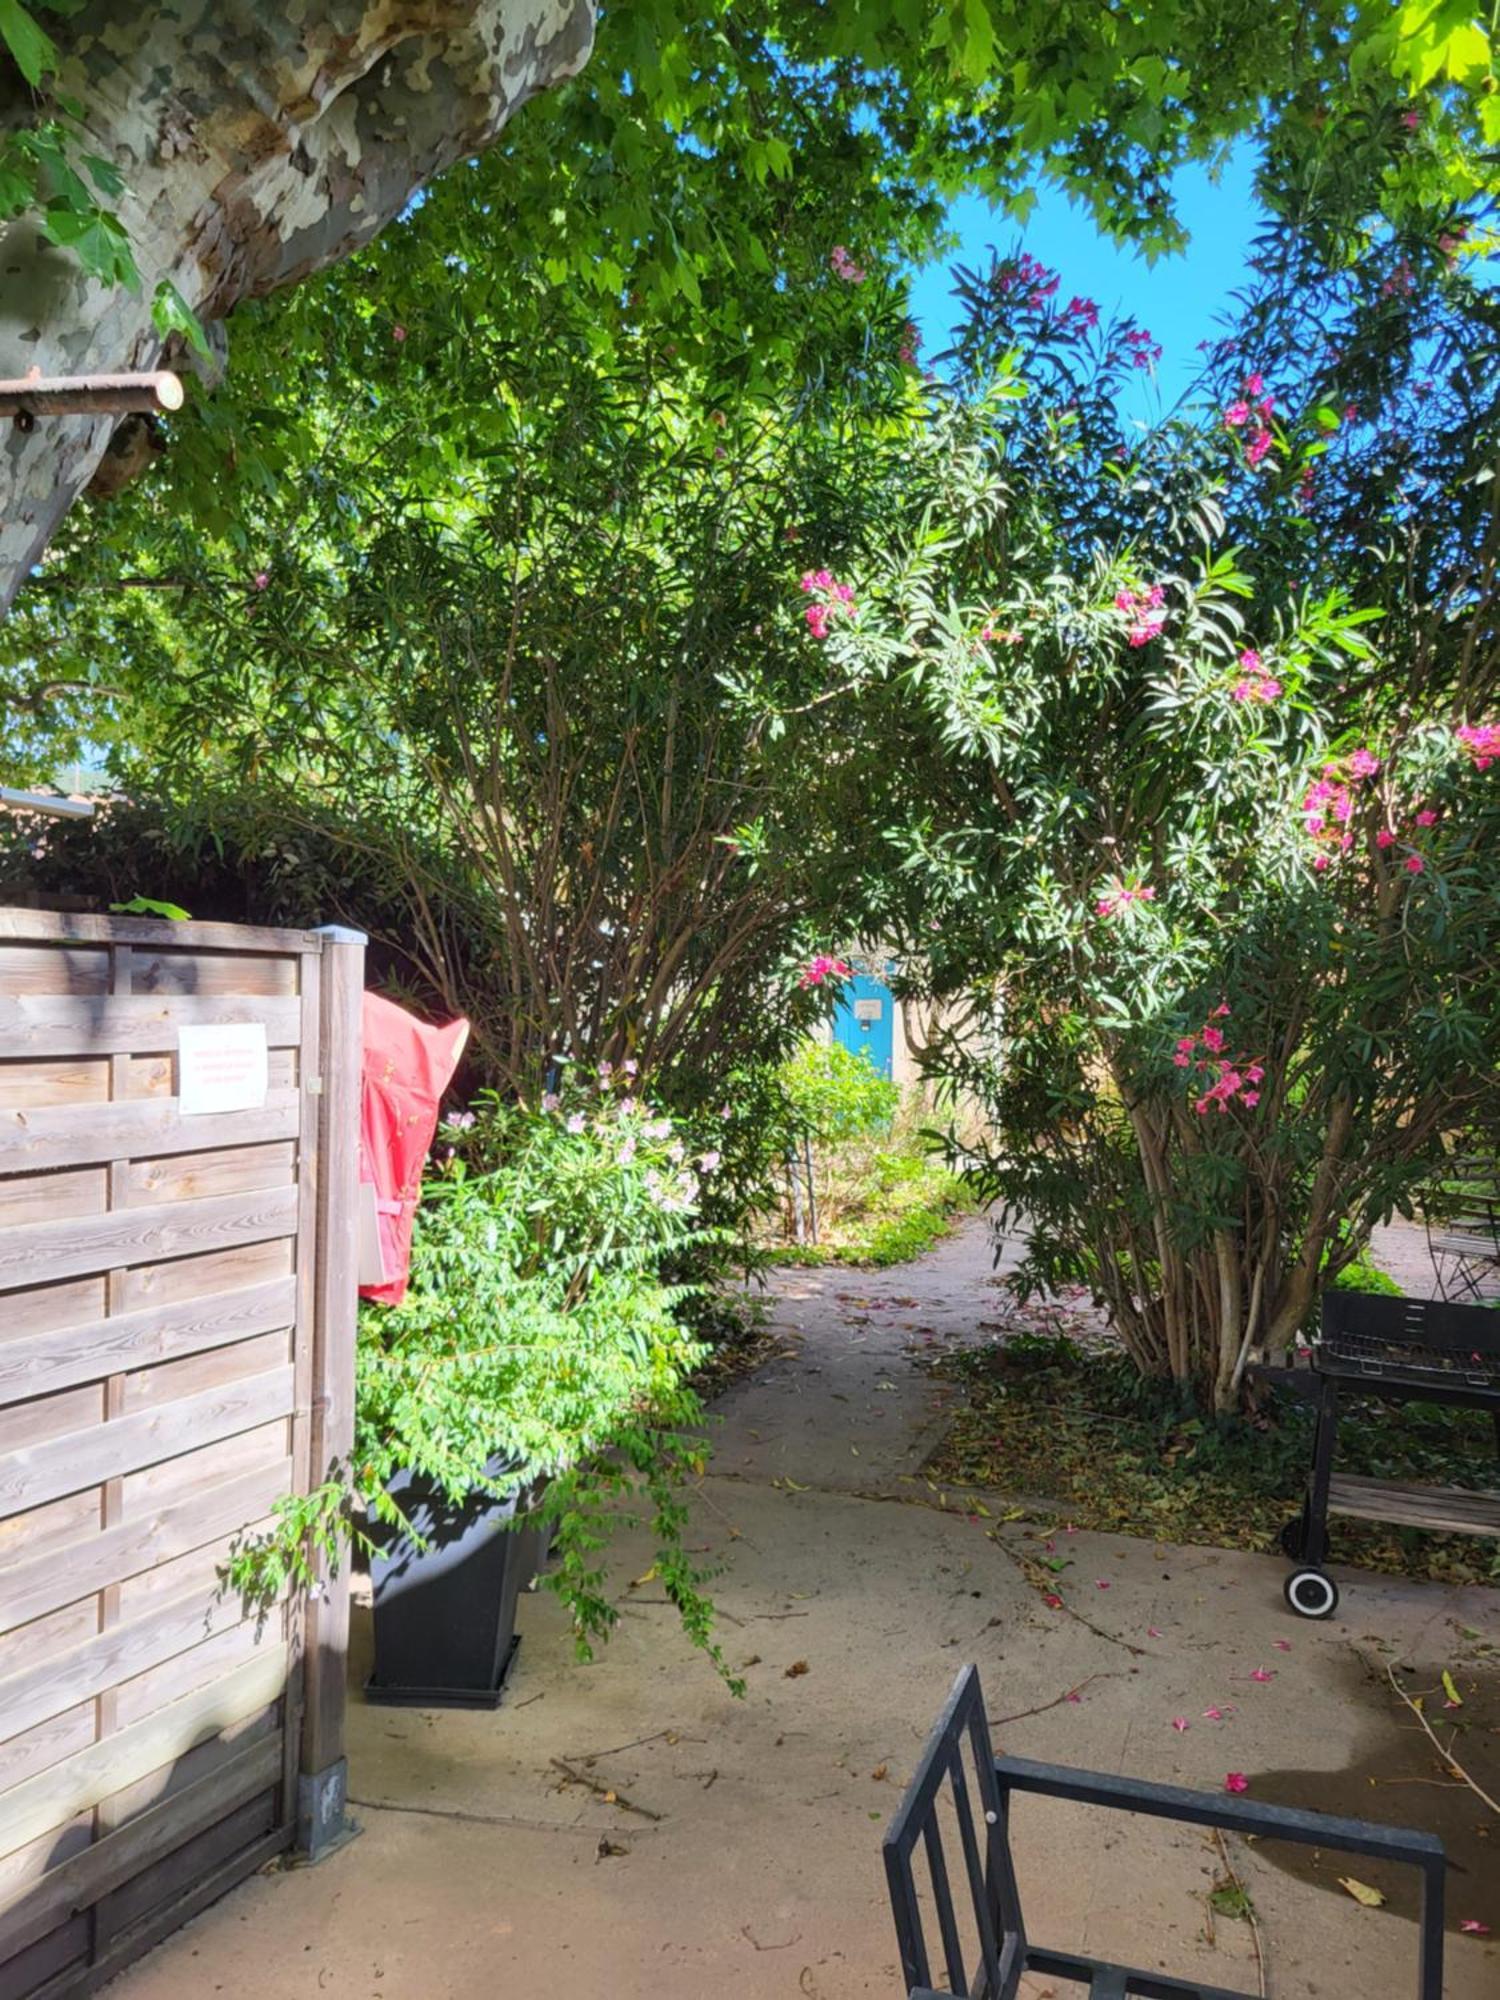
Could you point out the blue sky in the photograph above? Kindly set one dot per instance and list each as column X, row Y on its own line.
column 1180, row 298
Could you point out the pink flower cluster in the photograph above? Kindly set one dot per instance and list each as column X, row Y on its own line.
column 1120, row 897
column 1225, row 1077
column 1482, row 741
column 844, row 266
column 911, row 342
column 997, row 635
column 1328, row 804
column 1251, row 412
column 1083, row 310
column 1254, row 684
column 1144, row 351
column 823, row 967
column 1144, row 610
column 1028, row 274
column 831, row 595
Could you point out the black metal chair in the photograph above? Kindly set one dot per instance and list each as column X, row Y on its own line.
column 959, row 1760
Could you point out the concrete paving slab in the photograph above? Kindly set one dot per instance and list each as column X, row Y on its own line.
column 739, row 1853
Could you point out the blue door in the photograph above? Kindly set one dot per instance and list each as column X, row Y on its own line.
column 864, row 1019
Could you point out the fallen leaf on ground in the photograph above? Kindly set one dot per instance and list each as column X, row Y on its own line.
column 1362, row 1892
column 880, row 1771
column 1455, row 1699
column 797, row 1667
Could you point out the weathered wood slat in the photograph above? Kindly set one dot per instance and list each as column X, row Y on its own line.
column 59, row 1631
column 79, row 1459
column 214, row 972
column 129, row 1023
column 38, row 1253
column 195, row 1176
column 215, row 1368
column 50, row 1197
column 64, row 926
column 197, row 1893
column 38, row 1363
column 1452, row 1510
column 71, row 1135
column 51, row 1684
column 120, row 1911
column 53, row 1796
column 47, row 1745
column 85, row 1080
column 78, row 1881
column 54, row 969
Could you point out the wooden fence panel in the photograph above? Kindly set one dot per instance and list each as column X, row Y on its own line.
column 175, row 1357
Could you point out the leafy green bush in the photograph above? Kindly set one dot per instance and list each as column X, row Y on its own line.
column 537, row 1331
column 837, row 1093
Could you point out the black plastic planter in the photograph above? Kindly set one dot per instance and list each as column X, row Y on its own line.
column 445, row 1615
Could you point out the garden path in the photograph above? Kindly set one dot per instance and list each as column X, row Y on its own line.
column 626, row 1829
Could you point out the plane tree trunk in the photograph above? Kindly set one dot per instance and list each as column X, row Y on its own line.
column 259, row 140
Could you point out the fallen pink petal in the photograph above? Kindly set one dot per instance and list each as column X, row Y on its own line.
column 1263, row 1674
column 1474, row 1927
column 1181, row 1724
column 1236, row 1781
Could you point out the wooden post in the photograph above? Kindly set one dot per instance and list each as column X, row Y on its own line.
column 323, row 1783
column 38, row 395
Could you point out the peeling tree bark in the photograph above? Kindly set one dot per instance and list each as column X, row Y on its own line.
column 259, row 141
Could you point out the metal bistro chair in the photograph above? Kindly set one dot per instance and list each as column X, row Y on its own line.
column 959, row 1758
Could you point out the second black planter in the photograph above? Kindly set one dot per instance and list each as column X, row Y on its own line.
column 445, row 1614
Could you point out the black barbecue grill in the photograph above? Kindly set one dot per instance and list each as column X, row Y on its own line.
column 1406, row 1350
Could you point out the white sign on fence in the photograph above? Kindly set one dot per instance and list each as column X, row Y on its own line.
column 222, row 1068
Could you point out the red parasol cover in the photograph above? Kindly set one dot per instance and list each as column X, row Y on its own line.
column 407, row 1066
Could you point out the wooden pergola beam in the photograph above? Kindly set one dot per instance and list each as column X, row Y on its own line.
column 89, row 395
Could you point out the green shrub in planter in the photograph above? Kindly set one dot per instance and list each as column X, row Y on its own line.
column 538, row 1333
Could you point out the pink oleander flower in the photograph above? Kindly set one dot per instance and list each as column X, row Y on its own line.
column 823, row 967
column 1236, row 1781
column 398, row 334
column 1258, row 447
column 1482, row 741
column 261, row 579
column 1083, row 310
column 1320, row 862
column 1415, row 865
column 1411, row 120
column 844, row 266
column 1237, row 415
column 1427, row 817
column 576, row 1122
column 1144, row 630
column 1213, row 1039
column 551, row 1101
column 1250, row 660
column 1385, row 838
column 1364, row 764
column 1255, row 385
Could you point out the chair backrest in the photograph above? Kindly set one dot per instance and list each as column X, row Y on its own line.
column 955, row 1782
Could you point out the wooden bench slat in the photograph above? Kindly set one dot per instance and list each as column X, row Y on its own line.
column 1443, row 1509
column 38, row 1253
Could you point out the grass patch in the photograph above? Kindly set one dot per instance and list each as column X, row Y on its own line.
column 880, row 1202
column 1044, row 1418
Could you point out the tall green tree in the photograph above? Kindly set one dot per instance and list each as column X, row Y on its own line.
column 697, row 176
column 1202, row 815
